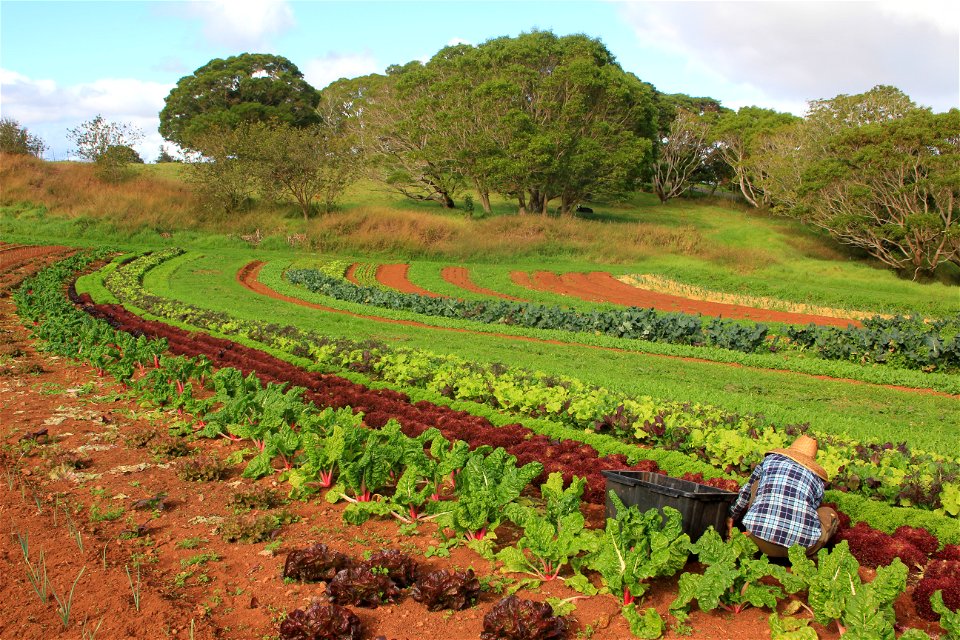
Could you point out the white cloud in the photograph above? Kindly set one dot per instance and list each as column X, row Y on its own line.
column 320, row 72
column 48, row 109
column 242, row 24
column 452, row 42
column 791, row 52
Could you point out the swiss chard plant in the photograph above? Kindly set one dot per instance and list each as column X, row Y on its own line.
column 327, row 438
column 835, row 592
column 550, row 540
column 732, row 579
column 488, row 482
column 636, row 547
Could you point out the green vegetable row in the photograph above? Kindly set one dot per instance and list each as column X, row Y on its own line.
column 730, row 442
column 904, row 342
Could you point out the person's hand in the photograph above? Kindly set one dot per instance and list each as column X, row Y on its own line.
column 729, row 527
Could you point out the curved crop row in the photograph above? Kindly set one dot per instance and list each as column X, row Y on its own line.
column 72, row 333
column 271, row 276
column 731, row 442
column 906, row 342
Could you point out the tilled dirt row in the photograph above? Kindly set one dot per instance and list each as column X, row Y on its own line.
column 600, row 286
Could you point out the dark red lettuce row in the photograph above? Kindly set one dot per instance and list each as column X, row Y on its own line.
column 569, row 457
column 939, row 575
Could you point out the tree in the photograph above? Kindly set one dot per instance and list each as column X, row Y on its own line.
column 221, row 179
column 165, row 156
column 16, row 139
column 408, row 145
column 536, row 118
column 737, row 135
column 563, row 118
column 222, row 94
column 303, row 163
column 94, row 137
column 783, row 154
column 892, row 188
column 681, row 154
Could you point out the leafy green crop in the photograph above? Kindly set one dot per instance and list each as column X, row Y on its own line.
column 836, row 593
column 638, row 546
column 732, row 580
column 488, row 482
column 553, row 538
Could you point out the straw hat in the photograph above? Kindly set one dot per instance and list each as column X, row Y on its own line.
column 804, row 451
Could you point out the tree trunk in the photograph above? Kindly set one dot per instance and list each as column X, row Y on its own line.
column 522, row 210
column 484, row 195
column 536, row 200
column 746, row 191
column 448, row 202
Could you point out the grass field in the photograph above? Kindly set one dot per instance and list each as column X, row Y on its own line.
column 705, row 244
column 859, row 410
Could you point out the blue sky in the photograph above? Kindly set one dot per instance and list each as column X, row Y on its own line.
column 61, row 63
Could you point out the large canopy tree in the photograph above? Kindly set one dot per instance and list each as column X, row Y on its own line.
column 737, row 137
column 892, row 188
column 537, row 118
column 783, row 154
column 222, row 94
column 565, row 120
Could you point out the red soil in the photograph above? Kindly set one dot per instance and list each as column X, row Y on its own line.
column 351, row 273
column 18, row 262
column 395, row 277
column 239, row 594
column 600, row 286
column 460, row 277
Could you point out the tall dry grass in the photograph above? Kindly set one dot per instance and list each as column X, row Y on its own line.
column 163, row 201
column 380, row 229
column 72, row 190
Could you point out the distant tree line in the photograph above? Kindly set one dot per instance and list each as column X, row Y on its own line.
column 551, row 123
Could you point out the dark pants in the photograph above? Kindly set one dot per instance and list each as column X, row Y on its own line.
column 829, row 521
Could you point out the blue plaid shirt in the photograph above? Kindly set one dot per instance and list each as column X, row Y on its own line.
column 784, row 511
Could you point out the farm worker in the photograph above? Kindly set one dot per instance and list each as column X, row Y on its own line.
column 779, row 506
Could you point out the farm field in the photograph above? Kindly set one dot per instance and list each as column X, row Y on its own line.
column 572, row 400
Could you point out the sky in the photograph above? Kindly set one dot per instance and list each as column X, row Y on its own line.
column 62, row 63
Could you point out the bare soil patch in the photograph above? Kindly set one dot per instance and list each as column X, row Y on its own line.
column 351, row 273
column 600, row 286
column 460, row 277
column 395, row 277
column 18, row 262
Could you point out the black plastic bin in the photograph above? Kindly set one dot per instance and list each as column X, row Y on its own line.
column 699, row 505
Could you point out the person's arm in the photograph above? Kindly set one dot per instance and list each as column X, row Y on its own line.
column 739, row 508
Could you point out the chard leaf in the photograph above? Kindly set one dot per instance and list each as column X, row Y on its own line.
column 648, row 626
column 513, row 561
column 790, row 628
column 259, row 465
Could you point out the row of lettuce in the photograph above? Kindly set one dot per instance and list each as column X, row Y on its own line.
column 902, row 341
column 566, row 408
column 384, row 473
column 273, row 275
